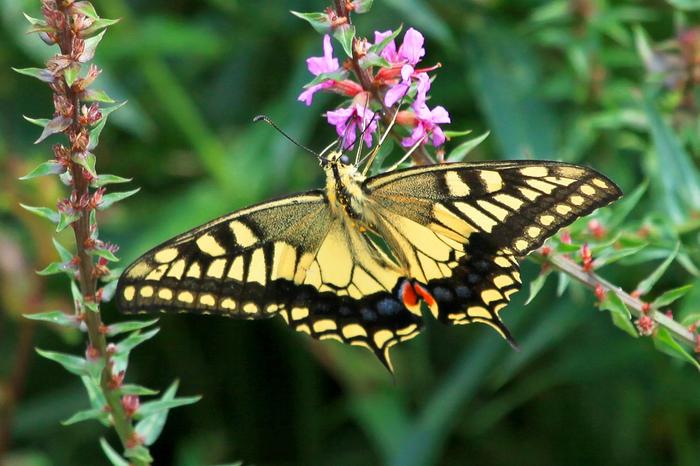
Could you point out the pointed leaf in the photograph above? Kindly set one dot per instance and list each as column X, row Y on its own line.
column 460, row 152
column 42, row 74
column 152, row 407
column 102, row 180
column 671, row 295
column 345, row 34
column 563, row 283
column 52, row 269
column 139, row 453
column 45, row 212
column 97, row 130
column 106, row 253
column 55, row 317
column 131, row 389
column 619, row 313
column 362, row 6
column 73, row 364
column 87, row 160
column 89, row 414
column 648, row 283
column 129, row 326
column 111, row 198
column 536, row 286
column 665, row 343
column 56, row 125
column 623, row 207
column 94, row 95
column 87, row 9
column 113, row 457
column 63, row 253
column 50, row 167
column 90, row 46
column 135, row 339
column 150, row 427
column 319, row 21
column 70, row 73
column 94, row 392
column 37, row 121
column 98, row 25
column 610, row 255
column 34, row 21
column 65, row 220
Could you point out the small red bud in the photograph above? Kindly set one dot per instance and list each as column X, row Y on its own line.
column 596, row 229
column 565, row 237
column 111, row 349
column 646, row 307
column 131, row 404
column 669, row 314
column 587, row 258
column 636, row 294
column 646, row 325
column 91, row 353
column 599, row 292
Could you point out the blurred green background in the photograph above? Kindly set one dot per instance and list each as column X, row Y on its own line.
column 563, row 79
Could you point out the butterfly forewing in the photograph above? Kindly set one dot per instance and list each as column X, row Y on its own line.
column 490, row 214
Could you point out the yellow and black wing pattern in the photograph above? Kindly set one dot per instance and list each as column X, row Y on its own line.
column 449, row 236
column 291, row 257
column 480, row 218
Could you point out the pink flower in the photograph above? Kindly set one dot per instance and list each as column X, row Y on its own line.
column 320, row 65
column 410, row 52
column 348, row 120
column 427, row 122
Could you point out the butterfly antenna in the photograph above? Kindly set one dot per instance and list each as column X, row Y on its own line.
column 267, row 120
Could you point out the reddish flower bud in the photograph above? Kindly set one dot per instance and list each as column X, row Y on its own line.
column 586, row 258
column 117, row 380
column 646, row 325
column 111, row 348
column 565, row 237
column 599, row 292
column 636, row 294
column 646, row 307
column 134, row 441
column 91, row 353
column 669, row 314
column 546, row 250
column 596, row 229
column 693, row 328
column 131, row 404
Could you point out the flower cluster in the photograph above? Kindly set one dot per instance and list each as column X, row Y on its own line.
column 379, row 76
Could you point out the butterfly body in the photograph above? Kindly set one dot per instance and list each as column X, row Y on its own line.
column 353, row 262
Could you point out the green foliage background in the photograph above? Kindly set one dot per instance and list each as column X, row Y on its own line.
column 547, row 81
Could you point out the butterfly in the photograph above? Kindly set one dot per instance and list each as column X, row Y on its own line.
column 356, row 260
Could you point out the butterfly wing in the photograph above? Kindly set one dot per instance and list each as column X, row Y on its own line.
column 291, row 257
column 461, row 228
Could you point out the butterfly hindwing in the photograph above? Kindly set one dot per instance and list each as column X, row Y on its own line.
column 491, row 214
column 289, row 257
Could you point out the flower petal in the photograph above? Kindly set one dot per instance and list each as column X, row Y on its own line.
column 412, row 47
column 395, row 93
column 439, row 115
column 308, row 94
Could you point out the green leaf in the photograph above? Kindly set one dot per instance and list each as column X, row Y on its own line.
column 63, row 253
column 90, row 47
column 70, row 74
column 619, row 313
column 102, row 180
column 139, row 453
column 610, row 256
column 99, row 24
column 52, row 269
column 37, row 121
column 135, row 339
column 87, row 9
column 44, row 212
column 129, row 326
column 362, row 6
column 97, row 130
column 111, row 198
column 690, row 319
column 50, row 167
column 460, row 152
column 345, row 34
column 87, row 160
column 113, row 457
column 89, row 414
column 73, row 364
column 42, row 74
column 55, row 317
column 94, row 392
column 670, row 296
column 150, row 427
column 562, row 283
column 55, row 125
column 94, row 95
column 131, row 389
column 457, row 134
column 319, row 21
column 536, row 286
column 65, row 220
column 153, row 407
column 34, row 21
column 678, row 181
column 106, row 253
column 338, row 75
column 665, row 343
column 648, row 283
